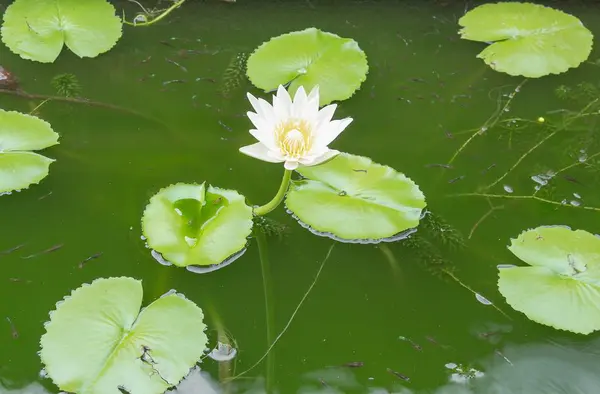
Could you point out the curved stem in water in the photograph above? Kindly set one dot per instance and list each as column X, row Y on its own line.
column 158, row 18
column 274, row 203
column 263, row 253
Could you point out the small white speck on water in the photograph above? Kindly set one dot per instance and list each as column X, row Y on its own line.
column 508, row 189
column 482, row 299
column 576, row 195
column 575, row 203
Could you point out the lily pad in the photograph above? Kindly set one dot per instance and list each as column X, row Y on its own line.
column 309, row 58
column 195, row 225
column 20, row 133
column 527, row 39
column 98, row 340
column 352, row 199
column 561, row 287
column 38, row 29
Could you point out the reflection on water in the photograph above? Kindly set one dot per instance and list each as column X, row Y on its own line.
column 548, row 368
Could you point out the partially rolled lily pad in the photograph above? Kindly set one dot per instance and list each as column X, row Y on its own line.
column 20, row 133
column 308, row 58
column 352, row 199
column 527, row 39
column 195, row 225
column 98, row 340
column 561, row 287
column 38, row 29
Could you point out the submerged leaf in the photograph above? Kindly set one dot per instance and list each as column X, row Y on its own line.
column 528, row 39
column 194, row 225
column 98, row 340
column 309, row 58
column 561, row 287
column 18, row 134
column 352, row 199
column 37, row 29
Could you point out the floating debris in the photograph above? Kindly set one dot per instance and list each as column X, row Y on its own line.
column 576, row 195
column 575, row 203
column 508, row 189
column 582, row 156
column 223, row 352
column 354, row 364
column 8, row 251
column 398, row 375
column 49, row 250
column 413, row 344
column 489, row 168
column 92, row 257
column 13, row 329
column 458, row 178
column 482, row 299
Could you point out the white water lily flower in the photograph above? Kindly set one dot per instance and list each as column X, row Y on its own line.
column 293, row 132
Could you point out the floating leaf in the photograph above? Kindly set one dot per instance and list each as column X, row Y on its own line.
column 37, row 29
column 308, row 58
column 98, row 339
column 527, row 39
column 352, row 199
column 194, row 225
column 18, row 134
column 561, row 288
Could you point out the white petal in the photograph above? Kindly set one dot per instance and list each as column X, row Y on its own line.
column 291, row 165
column 258, row 121
column 312, row 105
column 331, row 132
column 331, row 153
column 264, row 137
column 282, row 104
column 325, row 115
column 258, row 151
column 300, row 101
column 263, row 109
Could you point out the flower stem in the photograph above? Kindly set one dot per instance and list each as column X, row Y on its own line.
column 274, row 203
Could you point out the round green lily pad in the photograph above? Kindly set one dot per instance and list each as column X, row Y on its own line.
column 38, row 29
column 527, row 39
column 98, row 340
column 352, row 199
column 308, row 58
column 561, row 287
column 195, row 225
column 20, row 133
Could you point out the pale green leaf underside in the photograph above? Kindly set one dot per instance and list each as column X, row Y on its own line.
column 24, row 132
column 308, row 58
column 223, row 233
column 96, row 337
column 37, row 29
column 561, row 288
column 18, row 133
column 355, row 199
column 19, row 170
column 528, row 39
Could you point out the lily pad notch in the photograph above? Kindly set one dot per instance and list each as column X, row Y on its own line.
column 561, row 286
column 19, row 135
column 352, row 199
column 37, row 29
column 200, row 227
column 309, row 58
column 98, row 340
column 527, row 39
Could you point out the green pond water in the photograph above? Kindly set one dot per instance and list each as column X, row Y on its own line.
column 425, row 87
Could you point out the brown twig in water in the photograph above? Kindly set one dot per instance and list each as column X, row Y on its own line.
column 73, row 100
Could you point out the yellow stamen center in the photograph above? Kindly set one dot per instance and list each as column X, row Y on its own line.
column 294, row 137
